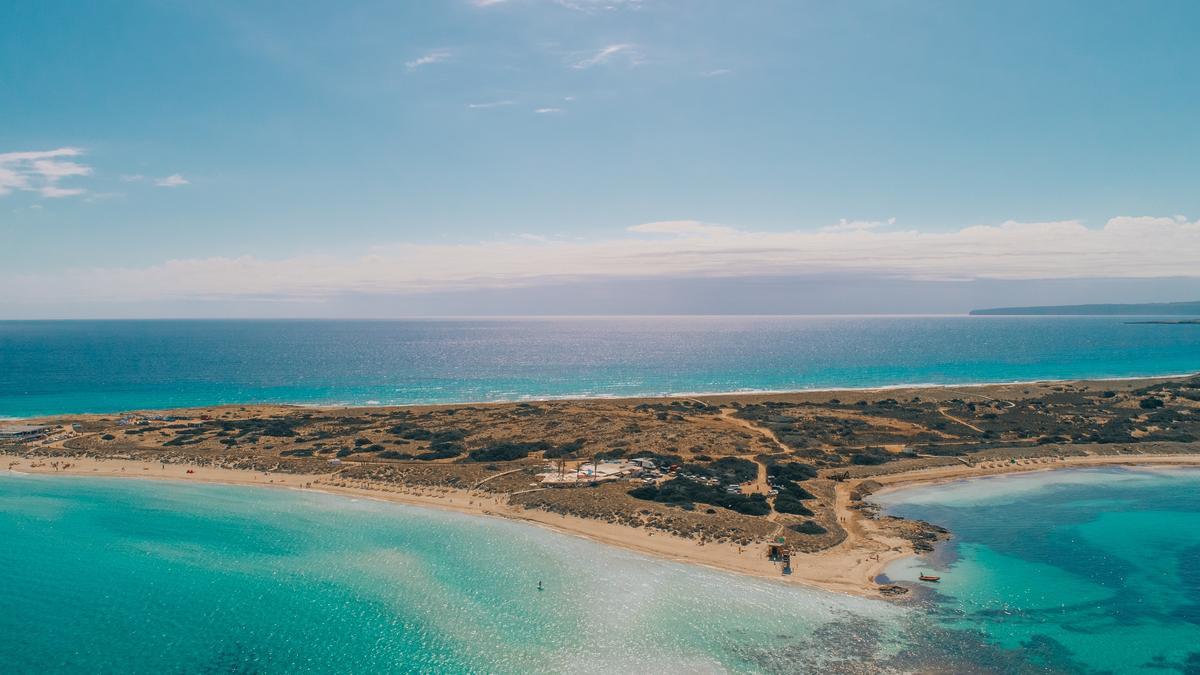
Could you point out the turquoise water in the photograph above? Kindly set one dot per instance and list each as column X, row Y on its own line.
column 1091, row 570
column 152, row 577
column 1070, row 572
column 49, row 367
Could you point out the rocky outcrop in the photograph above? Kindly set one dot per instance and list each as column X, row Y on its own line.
column 864, row 489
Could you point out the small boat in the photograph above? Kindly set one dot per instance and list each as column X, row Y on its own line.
column 540, row 588
column 929, row 577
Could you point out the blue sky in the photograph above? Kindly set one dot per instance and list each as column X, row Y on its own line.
column 293, row 155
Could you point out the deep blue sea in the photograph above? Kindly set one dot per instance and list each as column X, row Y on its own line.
column 49, row 367
column 1073, row 571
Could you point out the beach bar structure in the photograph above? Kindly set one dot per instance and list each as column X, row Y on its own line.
column 22, row 432
column 780, row 552
column 589, row 473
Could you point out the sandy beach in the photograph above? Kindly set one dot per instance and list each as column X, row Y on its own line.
column 961, row 434
column 849, row 567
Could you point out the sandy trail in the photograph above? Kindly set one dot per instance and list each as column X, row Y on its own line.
column 727, row 416
column 965, row 423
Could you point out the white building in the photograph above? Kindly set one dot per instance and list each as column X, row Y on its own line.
column 22, row 432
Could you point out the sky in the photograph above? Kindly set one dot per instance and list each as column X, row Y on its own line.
column 385, row 159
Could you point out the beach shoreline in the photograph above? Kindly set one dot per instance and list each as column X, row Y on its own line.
column 656, row 396
column 849, row 567
column 844, row 563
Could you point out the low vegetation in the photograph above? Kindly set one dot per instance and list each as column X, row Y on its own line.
column 708, row 457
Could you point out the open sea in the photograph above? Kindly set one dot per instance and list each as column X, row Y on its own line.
column 1079, row 571
column 49, row 367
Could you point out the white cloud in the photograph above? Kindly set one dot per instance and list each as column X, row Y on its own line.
column 606, row 54
column 436, row 56
column 1125, row 247
column 544, row 111
column 717, row 73
column 54, row 169
column 133, row 178
column 40, row 171
column 682, row 228
column 174, row 180
column 14, row 157
column 490, row 104
column 577, row 5
column 11, row 179
column 55, row 192
column 595, row 5
column 844, row 225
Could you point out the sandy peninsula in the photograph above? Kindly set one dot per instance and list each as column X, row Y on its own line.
column 732, row 475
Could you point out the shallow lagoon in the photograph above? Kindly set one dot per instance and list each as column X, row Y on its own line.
column 1097, row 569
column 1070, row 571
column 145, row 576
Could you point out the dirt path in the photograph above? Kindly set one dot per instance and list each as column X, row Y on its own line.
column 1009, row 404
column 761, row 484
column 727, row 415
column 965, row 423
column 503, row 473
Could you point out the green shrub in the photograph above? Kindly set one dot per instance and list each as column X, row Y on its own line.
column 808, row 527
column 507, row 452
column 438, row 454
column 871, row 457
column 734, row 470
column 786, row 504
column 683, row 492
column 792, row 471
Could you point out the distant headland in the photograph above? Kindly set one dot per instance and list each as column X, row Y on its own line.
column 1178, row 322
column 1130, row 309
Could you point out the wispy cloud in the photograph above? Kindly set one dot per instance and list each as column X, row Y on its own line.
column 844, row 225
column 577, row 5
column 598, row 5
column 547, row 111
column 1125, row 247
column 41, row 171
column 174, row 180
column 436, row 56
column 490, row 104
column 682, row 228
column 55, row 192
column 607, row 54
column 717, row 73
